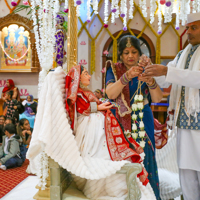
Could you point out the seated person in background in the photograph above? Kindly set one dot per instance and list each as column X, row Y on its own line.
column 2, row 120
column 30, row 110
column 10, row 151
column 98, row 93
column 14, row 107
column 24, row 130
column 9, row 120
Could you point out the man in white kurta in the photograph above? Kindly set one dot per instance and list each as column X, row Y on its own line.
column 184, row 75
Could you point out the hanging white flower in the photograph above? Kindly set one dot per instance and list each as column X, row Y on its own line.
column 134, row 107
column 153, row 7
column 140, row 105
column 142, row 144
column 134, row 136
column 177, row 14
column 134, row 127
column 141, row 125
column 131, row 5
column 141, row 115
column 142, row 134
column 159, row 19
column 136, row 98
column 134, row 117
column 140, row 97
column 106, row 12
column 95, row 7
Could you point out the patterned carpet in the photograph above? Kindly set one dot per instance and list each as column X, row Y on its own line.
column 12, row 177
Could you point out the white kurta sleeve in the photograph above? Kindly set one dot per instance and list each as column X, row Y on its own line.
column 184, row 77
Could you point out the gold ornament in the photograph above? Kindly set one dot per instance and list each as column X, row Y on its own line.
column 128, row 44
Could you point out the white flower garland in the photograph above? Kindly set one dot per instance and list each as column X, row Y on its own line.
column 88, row 11
column 159, row 19
column 43, row 170
column 131, row 4
column 106, row 12
column 153, row 7
column 66, row 4
column 177, row 14
column 95, row 6
column 184, row 10
column 198, row 6
column 144, row 7
column 168, row 12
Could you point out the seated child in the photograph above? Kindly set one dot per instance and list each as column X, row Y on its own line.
column 10, row 150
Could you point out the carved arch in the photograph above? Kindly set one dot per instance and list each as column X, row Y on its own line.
column 28, row 25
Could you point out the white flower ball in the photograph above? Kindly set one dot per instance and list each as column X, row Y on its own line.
column 136, row 98
column 134, row 117
column 140, row 106
column 134, row 107
column 142, row 144
column 134, row 127
column 142, row 134
column 134, row 135
column 140, row 97
column 141, row 114
column 141, row 125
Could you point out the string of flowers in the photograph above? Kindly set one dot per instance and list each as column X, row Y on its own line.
column 43, row 170
column 138, row 105
column 131, row 4
column 88, row 11
column 123, row 11
column 184, row 10
column 95, row 6
column 177, row 14
column 159, row 19
column 198, row 5
column 168, row 12
column 153, row 7
column 113, row 10
column 144, row 8
column 106, row 13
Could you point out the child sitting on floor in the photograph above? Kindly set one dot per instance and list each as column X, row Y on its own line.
column 10, row 150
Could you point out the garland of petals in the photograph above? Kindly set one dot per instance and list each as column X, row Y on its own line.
column 15, row 60
column 177, row 14
column 131, row 4
column 88, row 11
column 159, row 19
column 106, row 12
column 152, row 10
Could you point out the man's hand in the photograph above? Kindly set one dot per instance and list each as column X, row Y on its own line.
column 155, row 70
column 134, row 72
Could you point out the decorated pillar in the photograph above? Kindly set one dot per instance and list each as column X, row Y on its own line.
column 72, row 36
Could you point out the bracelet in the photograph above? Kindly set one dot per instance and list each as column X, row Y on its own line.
column 124, row 79
column 153, row 85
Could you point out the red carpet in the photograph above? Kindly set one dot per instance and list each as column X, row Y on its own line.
column 12, row 177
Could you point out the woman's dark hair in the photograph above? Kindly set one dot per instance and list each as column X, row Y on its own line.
column 123, row 42
column 10, row 93
column 82, row 69
column 10, row 128
column 11, row 119
column 22, row 121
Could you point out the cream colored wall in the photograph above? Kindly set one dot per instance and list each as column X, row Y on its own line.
column 169, row 47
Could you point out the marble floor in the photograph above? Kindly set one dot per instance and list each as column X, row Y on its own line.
column 26, row 190
column 23, row 191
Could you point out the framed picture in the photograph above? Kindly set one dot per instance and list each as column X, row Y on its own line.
column 17, row 45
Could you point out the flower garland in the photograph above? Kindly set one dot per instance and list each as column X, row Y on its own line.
column 106, row 12
column 144, row 7
column 153, row 7
column 177, row 14
column 131, row 4
column 159, row 19
column 138, row 105
column 88, row 11
column 15, row 60
column 43, row 170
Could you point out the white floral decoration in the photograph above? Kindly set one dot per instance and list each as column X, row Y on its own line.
column 159, row 19
column 131, row 5
column 66, row 4
column 43, row 170
column 194, row 6
column 142, row 134
column 78, row 10
column 88, row 10
column 144, row 7
column 134, row 117
column 168, row 12
column 142, row 143
column 153, row 7
column 95, row 6
column 134, row 135
column 106, row 12
column 177, row 14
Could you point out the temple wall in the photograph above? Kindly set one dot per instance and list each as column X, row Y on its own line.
column 169, row 47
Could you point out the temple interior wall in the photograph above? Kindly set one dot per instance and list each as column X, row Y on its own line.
column 168, row 47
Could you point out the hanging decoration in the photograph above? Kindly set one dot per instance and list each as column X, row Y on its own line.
column 44, row 22
column 164, row 8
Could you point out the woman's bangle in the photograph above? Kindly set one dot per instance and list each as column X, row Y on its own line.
column 153, row 85
column 124, row 79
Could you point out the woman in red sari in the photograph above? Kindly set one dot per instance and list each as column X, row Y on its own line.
column 10, row 85
column 99, row 135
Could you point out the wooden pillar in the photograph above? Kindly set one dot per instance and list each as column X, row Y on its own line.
column 72, row 36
